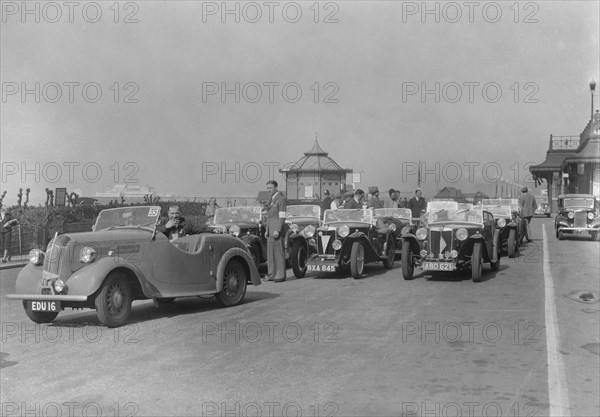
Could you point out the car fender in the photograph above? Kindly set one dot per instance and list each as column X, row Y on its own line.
column 415, row 247
column 471, row 240
column 246, row 259
column 29, row 279
column 562, row 223
column 297, row 237
column 87, row 280
column 370, row 254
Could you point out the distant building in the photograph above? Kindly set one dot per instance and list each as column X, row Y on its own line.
column 450, row 194
column 572, row 163
column 131, row 194
column 312, row 174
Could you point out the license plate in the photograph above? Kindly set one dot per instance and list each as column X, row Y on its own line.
column 321, row 268
column 50, row 306
column 438, row 266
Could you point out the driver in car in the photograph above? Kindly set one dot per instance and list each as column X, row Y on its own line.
column 175, row 226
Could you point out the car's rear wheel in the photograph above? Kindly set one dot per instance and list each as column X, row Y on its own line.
column 357, row 260
column 390, row 251
column 512, row 243
column 476, row 263
column 113, row 302
column 39, row 316
column 234, row 284
column 298, row 256
column 408, row 266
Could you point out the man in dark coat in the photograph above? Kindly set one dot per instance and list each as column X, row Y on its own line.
column 417, row 204
column 357, row 201
column 175, row 226
column 326, row 203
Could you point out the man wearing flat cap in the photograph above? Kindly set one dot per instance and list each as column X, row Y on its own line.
column 374, row 201
column 527, row 206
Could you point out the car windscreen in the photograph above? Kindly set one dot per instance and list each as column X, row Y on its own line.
column 348, row 215
column 238, row 215
column 397, row 213
column 443, row 215
column 502, row 211
column 128, row 217
column 303, row 211
column 578, row 202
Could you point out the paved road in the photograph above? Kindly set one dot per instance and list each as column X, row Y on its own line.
column 438, row 346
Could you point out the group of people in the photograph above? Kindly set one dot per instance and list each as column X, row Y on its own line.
column 357, row 200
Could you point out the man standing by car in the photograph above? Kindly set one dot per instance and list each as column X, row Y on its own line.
column 275, row 213
column 326, row 203
column 175, row 226
column 6, row 225
column 357, row 201
column 527, row 206
column 417, row 205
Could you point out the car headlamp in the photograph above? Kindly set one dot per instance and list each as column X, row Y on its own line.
column 570, row 215
column 453, row 254
column 462, row 234
column 336, row 245
column 421, row 233
column 59, row 285
column 423, row 253
column 309, row 231
column 591, row 216
column 234, row 230
column 87, row 255
column 343, row 231
column 36, row 256
column 501, row 222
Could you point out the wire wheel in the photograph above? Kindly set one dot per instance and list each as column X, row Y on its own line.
column 234, row 284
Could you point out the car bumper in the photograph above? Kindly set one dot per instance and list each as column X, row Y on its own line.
column 577, row 230
column 40, row 297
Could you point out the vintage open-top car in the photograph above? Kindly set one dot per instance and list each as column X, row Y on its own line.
column 124, row 259
column 543, row 209
column 513, row 203
column 246, row 224
column 452, row 237
column 298, row 217
column 402, row 220
column 577, row 215
column 506, row 223
column 349, row 237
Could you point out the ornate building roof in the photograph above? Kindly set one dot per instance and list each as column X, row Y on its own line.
column 315, row 160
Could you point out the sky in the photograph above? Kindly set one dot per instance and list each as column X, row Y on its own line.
column 210, row 98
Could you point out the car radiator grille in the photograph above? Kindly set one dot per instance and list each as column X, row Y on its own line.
column 580, row 219
column 325, row 241
column 440, row 241
column 54, row 253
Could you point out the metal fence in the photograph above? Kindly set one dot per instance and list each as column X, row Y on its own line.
column 25, row 238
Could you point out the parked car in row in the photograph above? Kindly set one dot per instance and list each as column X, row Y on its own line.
column 578, row 215
column 452, row 237
column 125, row 259
column 506, row 223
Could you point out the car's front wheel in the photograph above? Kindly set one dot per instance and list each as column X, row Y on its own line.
column 476, row 262
column 113, row 302
column 357, row 260
column 408, row 266
column 298, row 256
column 234, row 284
column 560, row 235
column 512, row 243
column 39, row 316
column 390, row 252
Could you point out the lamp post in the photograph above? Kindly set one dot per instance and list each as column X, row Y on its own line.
column 592, row 88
